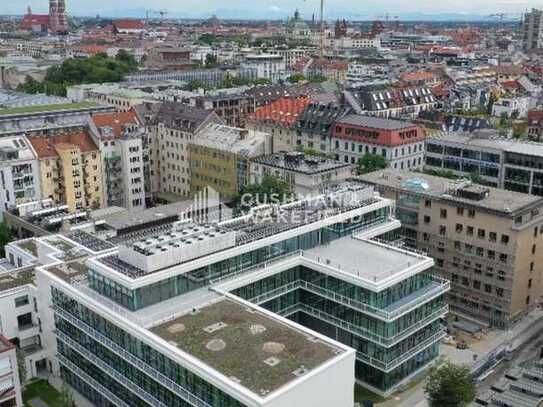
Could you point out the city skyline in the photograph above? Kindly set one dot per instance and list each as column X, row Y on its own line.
column 278, row 9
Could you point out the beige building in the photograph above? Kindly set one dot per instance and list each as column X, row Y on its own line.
column 170, row 129
column 70, row 169
column 488, row 242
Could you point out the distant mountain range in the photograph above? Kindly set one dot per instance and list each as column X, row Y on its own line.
column 270, row 14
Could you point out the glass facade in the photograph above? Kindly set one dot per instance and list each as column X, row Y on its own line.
column 390, row 350
column 201, row 277
column 101, row 354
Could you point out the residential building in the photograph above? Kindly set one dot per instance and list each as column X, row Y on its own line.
column 111, row 94
column 401, row 143
column 305, row 175
column 185, row 292
column 70, row 169
column 532, row 30
column 484, row 240
column 9, row 381
column 120, row 139
column 171, row 129
column 278, row 119
column 233, row 108
column 128, row 26
column 315, row 125
column 169, row 58
column 515, row 107
column 267, row 66
column 19, row 174
column 515, row 165
column 395, row 103
column 535, row 125
column 220, row 158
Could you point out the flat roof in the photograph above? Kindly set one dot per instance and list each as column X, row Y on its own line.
column 361, row 258
column 46, row 108
column 375, row 122
column 300, row 163
column 71, row 271
column 499, row 200
column 259, row 352
column 16, row 278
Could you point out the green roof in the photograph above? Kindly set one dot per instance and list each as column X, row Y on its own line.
column 46, row 108
column 16, row 278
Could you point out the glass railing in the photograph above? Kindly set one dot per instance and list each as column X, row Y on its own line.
column 176, row 388
column 113, row 373
column 90, row 381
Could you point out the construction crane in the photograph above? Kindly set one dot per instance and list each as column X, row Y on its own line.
column 161, row 13
column 501, row 16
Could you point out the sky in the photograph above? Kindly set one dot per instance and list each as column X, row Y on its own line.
column 275, row 8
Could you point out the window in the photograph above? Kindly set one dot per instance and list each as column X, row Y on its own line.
column 481, row 233
column 530, row 283
column 532, row 266
column 426, row 219
column 465, row 281
column 535, row 231
column 442, row 230
column 459, row 228
column 457, row 245
column 533, row 249
column 476, row 284
column 427, row 203
column 443, row 213
column 21, row 301
column 503, row 257
column 439, row 262
column 488, row 288
column 492, row 236
column 505, row 239
column 471, row 213
column 469, row 231
column 491, row 254
column 499, row 292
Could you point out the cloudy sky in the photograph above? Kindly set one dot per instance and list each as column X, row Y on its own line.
column 278, row 8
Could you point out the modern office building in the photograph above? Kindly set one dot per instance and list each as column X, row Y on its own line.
column 267, row 66
column 515, row 165
column 484, row 240
column 401, row 143
column 283, row 306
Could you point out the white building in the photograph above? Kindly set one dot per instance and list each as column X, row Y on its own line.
column 10, row 386
column 19, row 173
column 267, row 66
column 516, row 107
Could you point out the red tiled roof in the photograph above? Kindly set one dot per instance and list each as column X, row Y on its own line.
column 535, row 117
column 31, row 20
column 92, row 49
column 116, row 120
column 46, row 146
column 511, row 85
column 284, row 111
column 417, row 76
column 129, row 25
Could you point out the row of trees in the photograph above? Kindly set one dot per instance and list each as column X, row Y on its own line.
column 97, row 69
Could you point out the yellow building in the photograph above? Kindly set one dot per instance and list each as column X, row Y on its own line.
column 70, row 169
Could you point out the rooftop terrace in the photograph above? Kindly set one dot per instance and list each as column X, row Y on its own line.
column 16, row 278
column 257, row 351
column 45, row 108
column 70, row 272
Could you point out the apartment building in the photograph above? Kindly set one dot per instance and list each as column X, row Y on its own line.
column 315, row 125
column 10, row 384
column 484, row 240
column 390, row 102
column 70, row 169
column 120, row 138
column 19, row 175
column 286, row 305
column 515, row 165
column 305, row 175
column 532, row 30
column 231, row 107
column 278, row 119
column 401, row 143
column 220, row 158
column 171, row 128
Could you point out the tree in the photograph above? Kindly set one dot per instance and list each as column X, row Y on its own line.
column 271, row 190
column 126, row 58
column 317, row 79
column 66, row 396
column 370, row 163
column 6, row 236
column 450, row 385
column 211, row 61
column 296, row 77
